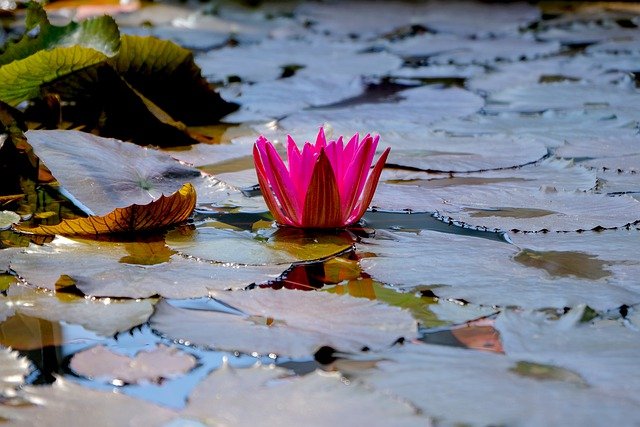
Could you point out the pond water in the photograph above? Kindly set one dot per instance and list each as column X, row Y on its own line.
column 493, row 281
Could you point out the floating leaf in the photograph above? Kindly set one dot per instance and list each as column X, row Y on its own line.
column 102, row 174
column 563, row 96
column 98, row 269
column 105, row 317
column 281, row 246
column 221, row 397
column 57, row 404
column 161, row 213
column 13, row 369
column 293, row 323
column 491, row 273
column 514, row 208
column 316, row 56
column 445, row 49
column 602, row 352
column 429, row 375
column 149, row 365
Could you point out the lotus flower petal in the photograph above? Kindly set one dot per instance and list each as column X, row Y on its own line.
column 326, row 184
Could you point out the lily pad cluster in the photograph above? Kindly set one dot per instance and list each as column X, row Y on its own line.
column 499, row 258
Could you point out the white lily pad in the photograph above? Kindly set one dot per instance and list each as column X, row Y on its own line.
column 555, row 127
column 490, row 273
column 623, row 143
column 448, row 49
column 13, row 369
column 562, row 173
column 458, row 386
column 190, row 38
column 563, row 96
column 316, row 57
column 131, row 270
column 411, row 108
column 618, row 182
column 364, row 20
column 587, row 33
column 478, row 19
column 271, row 246
column 629, row 163
column 293, row 323
column 105, row 317
column 441, row 153
column 57, row 404
column 628, row 46
column 438, row 72
column 101, row 174
column 603, row 352
column 582, row 68
column 496, row 208
column 222, row 397
column 155, row 364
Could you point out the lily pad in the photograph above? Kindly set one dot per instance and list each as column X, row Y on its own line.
column 603, row 352
column 150, row 365
column 105, row 269
column 101, row 174
column 105, row 317
column 492, row 273
column 13, row 369
column 563, row 173
column 7, row 219
column 449, row 389
column 292, row 323
column 55, row 404
column 278, row 98
column 447, row 49
column 515, row 209
column 338, row 397
column 54, row 52
column 272, row 246
column 563, row 96
column 318, row 56
column 161, row 213
column 441, row 153
column 414, row 106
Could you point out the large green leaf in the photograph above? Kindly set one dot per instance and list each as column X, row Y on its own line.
column 54, row 52
column 100, row 34
column 167, row 75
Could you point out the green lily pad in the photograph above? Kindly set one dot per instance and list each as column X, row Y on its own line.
column 53, row 53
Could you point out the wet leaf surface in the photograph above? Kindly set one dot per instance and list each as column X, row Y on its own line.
column 467, row 374
column 98, row 270
column 160, row 362
column 294, row 323
column 497, row 278
column 56, row 405
column 297, row 396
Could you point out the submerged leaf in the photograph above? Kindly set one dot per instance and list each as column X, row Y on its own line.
column 294, row 323
column 161, row 213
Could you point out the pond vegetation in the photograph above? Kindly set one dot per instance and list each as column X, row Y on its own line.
column 493, row 281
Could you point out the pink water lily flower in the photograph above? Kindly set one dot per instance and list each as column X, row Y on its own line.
column 326, row 185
